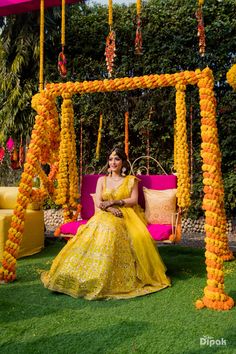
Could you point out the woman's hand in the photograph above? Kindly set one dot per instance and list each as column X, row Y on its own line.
column 106, row 204
column 115, row 211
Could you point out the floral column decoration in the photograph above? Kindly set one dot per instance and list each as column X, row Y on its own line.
column 182, row 156
column 67, row 195
column 217, row 249
column 41, row 135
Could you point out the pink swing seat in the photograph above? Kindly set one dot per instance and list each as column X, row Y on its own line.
column 159, row 232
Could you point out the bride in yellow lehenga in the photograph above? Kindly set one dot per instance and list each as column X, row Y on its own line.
column 113, row 255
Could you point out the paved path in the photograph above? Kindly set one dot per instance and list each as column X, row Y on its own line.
column 197, row 240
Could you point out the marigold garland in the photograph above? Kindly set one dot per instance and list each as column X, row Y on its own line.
column 67, row 175
column 41, row 135
column 99, row 137
column 216, row 240
column 231, row 76
column 43, row 138
column 182, row 158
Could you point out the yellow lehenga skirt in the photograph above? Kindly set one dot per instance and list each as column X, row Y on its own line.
column 109, row 257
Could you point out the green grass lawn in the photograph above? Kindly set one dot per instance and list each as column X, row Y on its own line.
column 35, row 320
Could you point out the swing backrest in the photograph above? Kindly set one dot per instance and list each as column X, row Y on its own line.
column 88, row 187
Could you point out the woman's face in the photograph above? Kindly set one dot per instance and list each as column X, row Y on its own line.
column 115, row 163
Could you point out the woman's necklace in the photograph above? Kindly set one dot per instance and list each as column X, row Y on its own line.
column 116, row 179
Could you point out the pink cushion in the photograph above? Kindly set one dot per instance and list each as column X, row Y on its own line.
column 89, row 183
column 72, row 227
column 160, row 232
column 159, row 182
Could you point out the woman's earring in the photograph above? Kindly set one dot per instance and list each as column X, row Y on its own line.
column 123, row 170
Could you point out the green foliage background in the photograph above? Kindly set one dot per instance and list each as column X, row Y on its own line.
column 170, row 44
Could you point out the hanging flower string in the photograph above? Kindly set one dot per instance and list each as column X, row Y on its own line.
column 151, row 111
column 127, row 134
column 201, row 28
column 110, row 42
column 98, row 148
column 41, row 46
column 62, row 64
column 61, row 57
column 138, row 43
column 21, row 153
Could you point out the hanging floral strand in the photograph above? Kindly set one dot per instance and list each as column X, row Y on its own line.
column 138, row 37
column 98, row 148
column 200, row 28
column 81, row 154
column 127, row 134
column 191, row 149
column 41, row 41
column 110, row 42
column 148, row 139
column 61, row 57
column 21, row 153
column 182, row 163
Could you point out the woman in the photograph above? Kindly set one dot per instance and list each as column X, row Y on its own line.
column 113, row 255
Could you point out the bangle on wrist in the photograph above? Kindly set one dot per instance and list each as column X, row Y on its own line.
column 121, row 202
